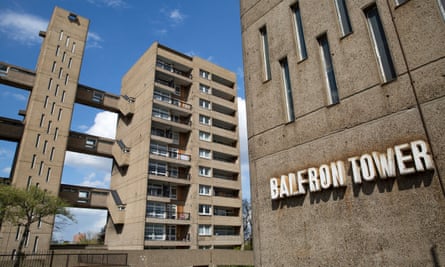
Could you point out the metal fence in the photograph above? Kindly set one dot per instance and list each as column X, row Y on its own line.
column 50, row 259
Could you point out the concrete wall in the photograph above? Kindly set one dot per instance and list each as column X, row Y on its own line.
column 393, row 222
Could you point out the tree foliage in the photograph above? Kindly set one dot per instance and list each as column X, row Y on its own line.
column 23, row 207
column 247, row 220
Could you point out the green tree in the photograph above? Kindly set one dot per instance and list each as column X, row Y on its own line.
column 22, row 207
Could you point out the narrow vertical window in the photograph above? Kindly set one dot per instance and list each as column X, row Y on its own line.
column 37, row 140
column 67, row 78
column 57, row 50
column 41, row 166
column 42, row 120
column 60, row 73
column 59, row 116
column 36, row 244
column 74, row 48
column 45, row 144
column 53, row 106
column 53, row 68
column 48, row 175
column 18, row 233
column 343, row 17
column 63, row 56
column 48, row 129
column 50, row 83
column 51, row 155
column 33, row 161
column 45, row 103
column 287, row 90
column 28, row 184
column 265, row 51
column 441, row 4
column 299, row 33
column 60, row 35
column 380, row 44
column 331, row 83
column 70, row 61
column 56, row 133
column 67, row 42
column 56, row 92
column 63, row 96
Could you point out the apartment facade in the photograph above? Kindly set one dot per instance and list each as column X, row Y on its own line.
column 176, row 180
column 345, row 103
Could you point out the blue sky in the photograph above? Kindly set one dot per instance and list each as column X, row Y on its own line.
column 120, row 31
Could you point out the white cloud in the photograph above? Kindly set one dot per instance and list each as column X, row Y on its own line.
column 91, row 181
column 104, row 125
column 109, row 3
column 94, row 40
column 87, row 162
column 22, row 27
column 176, row 16
column 245, row 176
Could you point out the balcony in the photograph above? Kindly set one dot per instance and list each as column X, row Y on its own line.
column 180, row 107
column 170, row 156
column 170, row 67
column 177, row 124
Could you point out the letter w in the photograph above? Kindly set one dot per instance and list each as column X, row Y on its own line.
column 385, row 163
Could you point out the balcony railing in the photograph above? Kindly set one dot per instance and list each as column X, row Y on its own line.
column 170, row 215
column 169, row 67
column 173, row 101
column 170, row 174
column 171, row 154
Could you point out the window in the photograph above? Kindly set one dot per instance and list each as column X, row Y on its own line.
column 204, row 88
column 84, row 194
column 158, row 168
column 70, row 62
column 29, row 183
column 161, row 113
column 326, row 59
column 50, row 83
column 60, row 73
column 98, row 97
column 287, row 90
column 67, row 78
column 51, row 155
column 41, row 166
column 60, row 35
column 38, row 140
column 59, row 115
column 156, row 210
column 204, row 103
column 18, row 233
column 90, row 143
column 56, row 133
column 53, row 106
column 204, row 74
column 204, row 119
column 158, row 149
column 265, row 53
column 67, row 42
column 53, row 68
column 56, row 92
column 380, row 44
column 74, row 48
column 299, row 33
column 343, row 17
column 204, row 171
column 205, row 190
column 204, row 229
column 33, row 161
column 154, row 231
column 441, row 4
column 48, row 175
column 45, row 144
column 36, row 244
column 205, row 209
column 57, row 50
column 204, row 136
column 63, row 56
column 399, row 2
column 48, row 129
column 63, row 96
column 204, row 153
